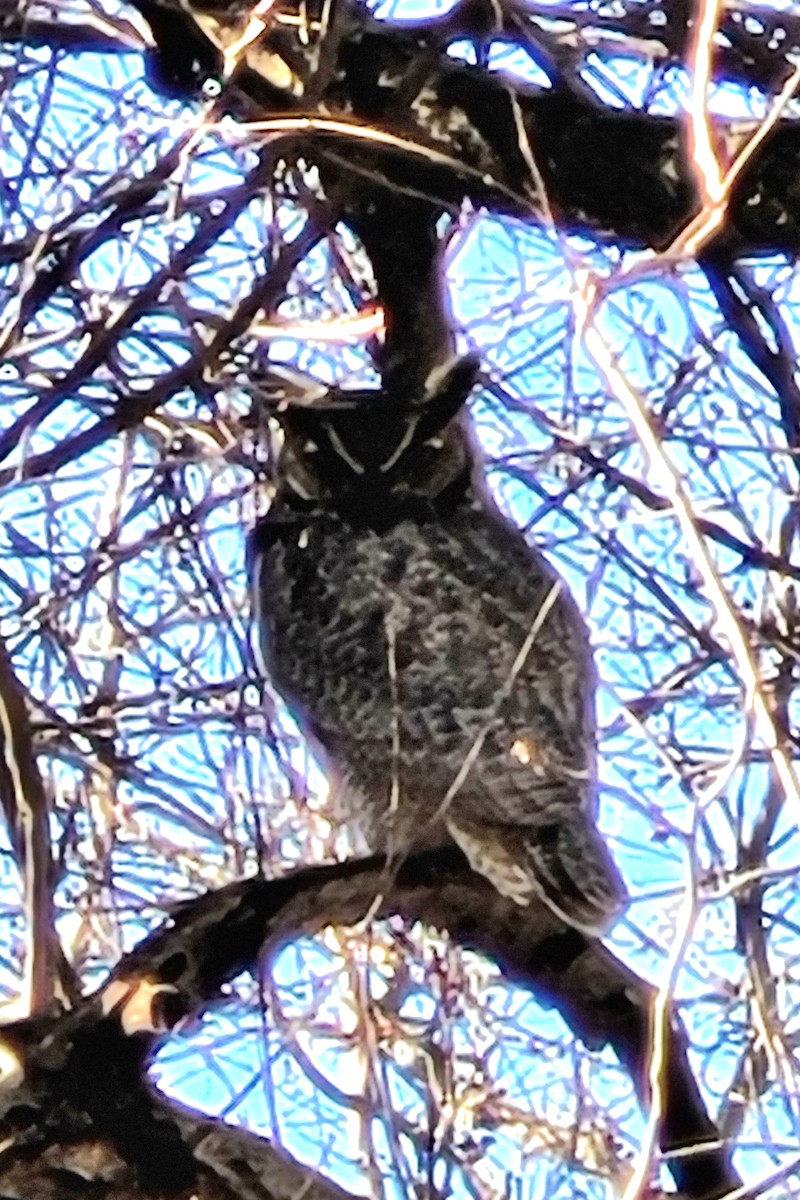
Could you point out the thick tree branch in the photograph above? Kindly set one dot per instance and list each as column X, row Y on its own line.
column 178, row 969
column 622, row 175
column 410, row 285
column 27, row 811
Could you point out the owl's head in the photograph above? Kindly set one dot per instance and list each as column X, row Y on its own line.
column 366, row 453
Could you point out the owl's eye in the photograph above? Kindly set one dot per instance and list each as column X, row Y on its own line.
column 301, row 480
column 340, row 448
column 435, row 443
column 310, row 447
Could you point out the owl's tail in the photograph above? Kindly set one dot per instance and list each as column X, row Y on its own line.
column 567, row 864
column 575, row 873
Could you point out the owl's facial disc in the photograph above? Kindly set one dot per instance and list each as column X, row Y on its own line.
column 378, row 455
column 364, row 445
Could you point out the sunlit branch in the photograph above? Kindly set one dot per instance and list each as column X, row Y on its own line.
column 658, row 1066
column 702, row 227
column 703, row 156
column 337, row 329
column 765, row 128
column 14, row 305
column 254, row 28
column 667, row 477
column 361, row 131
column 691, row 240
column 586, row 299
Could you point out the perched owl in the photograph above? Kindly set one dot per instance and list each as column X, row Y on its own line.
column 435, row 657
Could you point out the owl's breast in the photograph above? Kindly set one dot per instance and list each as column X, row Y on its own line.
column 322, row 624
column 405, row 651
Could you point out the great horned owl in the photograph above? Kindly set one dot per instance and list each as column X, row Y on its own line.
column 435, row 656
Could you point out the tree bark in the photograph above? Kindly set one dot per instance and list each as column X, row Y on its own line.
column 621, row 175
column 76, row 1109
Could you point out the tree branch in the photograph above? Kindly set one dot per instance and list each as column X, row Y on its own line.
column 621, row 174
column 748, row 309
column 27, row 811
column 179, row 968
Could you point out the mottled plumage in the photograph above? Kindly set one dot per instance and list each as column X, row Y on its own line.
column 432, row 653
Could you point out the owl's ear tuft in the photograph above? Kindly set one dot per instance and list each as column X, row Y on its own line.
column 457, row 375
column 447, row 390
